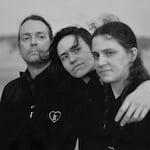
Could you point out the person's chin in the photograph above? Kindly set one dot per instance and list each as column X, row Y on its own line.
column 34, row 62
column 106, row 79
column 79, row 74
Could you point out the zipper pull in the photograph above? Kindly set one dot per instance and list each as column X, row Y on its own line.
column 31, row 112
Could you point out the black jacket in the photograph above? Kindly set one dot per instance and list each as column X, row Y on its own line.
column 133, row 136
column 100, row 131
column 39, row 113
column 91, row 137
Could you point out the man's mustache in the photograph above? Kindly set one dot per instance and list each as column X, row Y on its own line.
column 44, row 55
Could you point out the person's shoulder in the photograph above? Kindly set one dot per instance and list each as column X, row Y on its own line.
column 10, row 90
column 11, row 86
column 13, row 83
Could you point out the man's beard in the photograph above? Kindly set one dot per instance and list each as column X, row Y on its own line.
column 43, row 58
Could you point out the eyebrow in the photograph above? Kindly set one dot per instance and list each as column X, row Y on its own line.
column 62, row 54
column 22, row 34
column 40, row 32
column 109, row 49
column 27, row 33
column 74, row 46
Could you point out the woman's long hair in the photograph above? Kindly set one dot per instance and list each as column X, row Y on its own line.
column 74, row 31
column 125, row 37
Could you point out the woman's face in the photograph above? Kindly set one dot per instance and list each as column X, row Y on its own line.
column 112, row 61
column 76, row 57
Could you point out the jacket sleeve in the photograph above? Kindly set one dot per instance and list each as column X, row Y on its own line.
column 3, row 96
column 4, row 119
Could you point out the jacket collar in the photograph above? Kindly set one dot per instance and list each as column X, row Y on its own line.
column 44, row 76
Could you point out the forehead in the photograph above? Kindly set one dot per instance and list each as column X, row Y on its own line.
column 33, row 26
column 101, row 42
column 67, row 42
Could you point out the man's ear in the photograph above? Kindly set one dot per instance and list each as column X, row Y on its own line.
column 134, row 53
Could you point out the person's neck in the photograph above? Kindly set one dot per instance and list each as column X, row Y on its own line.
column 118, row 87
column 35, row 70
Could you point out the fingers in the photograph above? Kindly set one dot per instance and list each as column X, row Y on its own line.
column 143, row 114
column 127, row 116
column 133, row 114
column 122, row 110
column 136, row 115
column 133, row 109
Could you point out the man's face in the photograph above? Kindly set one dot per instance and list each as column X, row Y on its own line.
column 76, row 57
column 112, row 61
column 34, row 42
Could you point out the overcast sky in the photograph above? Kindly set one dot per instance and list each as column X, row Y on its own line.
column 61, row 13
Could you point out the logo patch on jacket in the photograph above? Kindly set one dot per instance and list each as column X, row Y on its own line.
column 54, row 116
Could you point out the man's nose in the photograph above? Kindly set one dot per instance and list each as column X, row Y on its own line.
column 33, row 41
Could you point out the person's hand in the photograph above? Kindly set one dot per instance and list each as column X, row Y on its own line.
column 135, row 106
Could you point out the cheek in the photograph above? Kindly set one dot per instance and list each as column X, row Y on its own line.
column 122, row 67
column 125, row 63
column 120, row 62
column 95, row 65
column 45, row 45
column 89, row 60
column 24, row 48
column 66, row 66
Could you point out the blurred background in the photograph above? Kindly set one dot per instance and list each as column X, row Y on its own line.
column 61, row 13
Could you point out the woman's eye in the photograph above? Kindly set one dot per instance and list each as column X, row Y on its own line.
column 109, row 53
column 63, row 58
column 76, row 50
column 95, row 55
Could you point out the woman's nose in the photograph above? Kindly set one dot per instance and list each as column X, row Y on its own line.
column 72, row 58
column 102, row 61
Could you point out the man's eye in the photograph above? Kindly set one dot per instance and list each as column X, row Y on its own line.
column 95, row 55
column 41, row 37
column 25, row 38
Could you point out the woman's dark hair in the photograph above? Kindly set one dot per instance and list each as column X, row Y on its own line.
column 38, row 18
column 72, row 30
column 119, row 31
column 123, row 34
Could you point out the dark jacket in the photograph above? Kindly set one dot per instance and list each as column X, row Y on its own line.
column 91, row 137
column 133, row 136
column 100, row 131
column 39, row 113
